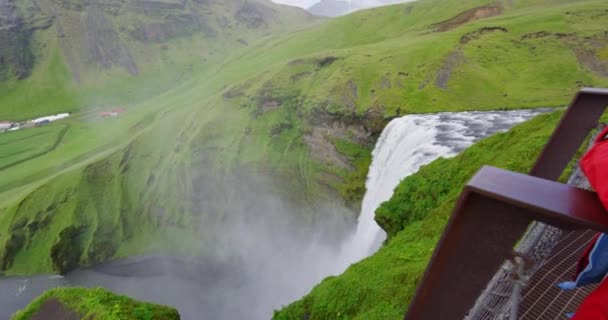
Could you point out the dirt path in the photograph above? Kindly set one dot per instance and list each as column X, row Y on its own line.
column 468, row 16
column 53, row 309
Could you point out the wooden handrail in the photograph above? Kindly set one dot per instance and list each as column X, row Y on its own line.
column 495, row 209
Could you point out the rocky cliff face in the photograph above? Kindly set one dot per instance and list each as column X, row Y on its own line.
column 16, row 29
column 103, row 42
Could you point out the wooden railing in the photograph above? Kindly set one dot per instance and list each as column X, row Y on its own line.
column 497, row 206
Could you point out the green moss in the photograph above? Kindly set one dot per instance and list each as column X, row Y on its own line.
column 66, row 253
column 99, row 304
column 13, row 244
column 353, row 187
column 603, row 53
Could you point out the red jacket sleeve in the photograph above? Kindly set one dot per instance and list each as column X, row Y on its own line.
column 595, row 166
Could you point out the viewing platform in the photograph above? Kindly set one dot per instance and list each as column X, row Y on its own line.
column 514, row 235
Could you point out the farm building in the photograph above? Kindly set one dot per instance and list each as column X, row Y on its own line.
column 112, row 113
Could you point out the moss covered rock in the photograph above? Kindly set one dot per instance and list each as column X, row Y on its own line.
column 97, row 303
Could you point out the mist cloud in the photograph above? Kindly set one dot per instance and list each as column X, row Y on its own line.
column 355, row 3
column 265, row 248
column 280, row 247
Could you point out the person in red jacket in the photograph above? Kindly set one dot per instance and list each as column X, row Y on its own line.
column 593, row 265
column 595, row 166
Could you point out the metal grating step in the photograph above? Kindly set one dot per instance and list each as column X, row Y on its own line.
column 542, row 299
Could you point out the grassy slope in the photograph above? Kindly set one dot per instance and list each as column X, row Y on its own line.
column 380, row 287
column 394, row 61
column 108, row 196
column 165, row 138
column 99, row 304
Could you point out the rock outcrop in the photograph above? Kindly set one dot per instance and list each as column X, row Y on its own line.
column 103, row 42
column 16, row 57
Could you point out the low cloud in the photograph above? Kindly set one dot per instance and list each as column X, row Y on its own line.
column 355, row 3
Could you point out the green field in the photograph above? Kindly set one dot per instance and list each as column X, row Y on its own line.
column 21, row 146
column 300, row 99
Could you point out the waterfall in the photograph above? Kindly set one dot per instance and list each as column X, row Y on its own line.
column 408, row 143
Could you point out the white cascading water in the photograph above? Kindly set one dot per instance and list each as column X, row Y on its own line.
column 408, row 143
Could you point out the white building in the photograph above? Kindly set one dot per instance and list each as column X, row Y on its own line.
column 5, row 125
column 50, row 118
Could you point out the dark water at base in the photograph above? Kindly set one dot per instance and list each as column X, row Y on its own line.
column 185, row 285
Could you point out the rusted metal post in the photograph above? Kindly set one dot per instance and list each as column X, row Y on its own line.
column 495, row 209
column 580, row 118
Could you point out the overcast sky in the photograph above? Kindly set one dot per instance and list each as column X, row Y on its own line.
column 359, row 3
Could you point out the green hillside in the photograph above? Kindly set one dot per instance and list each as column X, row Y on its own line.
column 80, row 303
column 381, row 286
column 400, row 60
column 65, row 55
column 300, row 100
